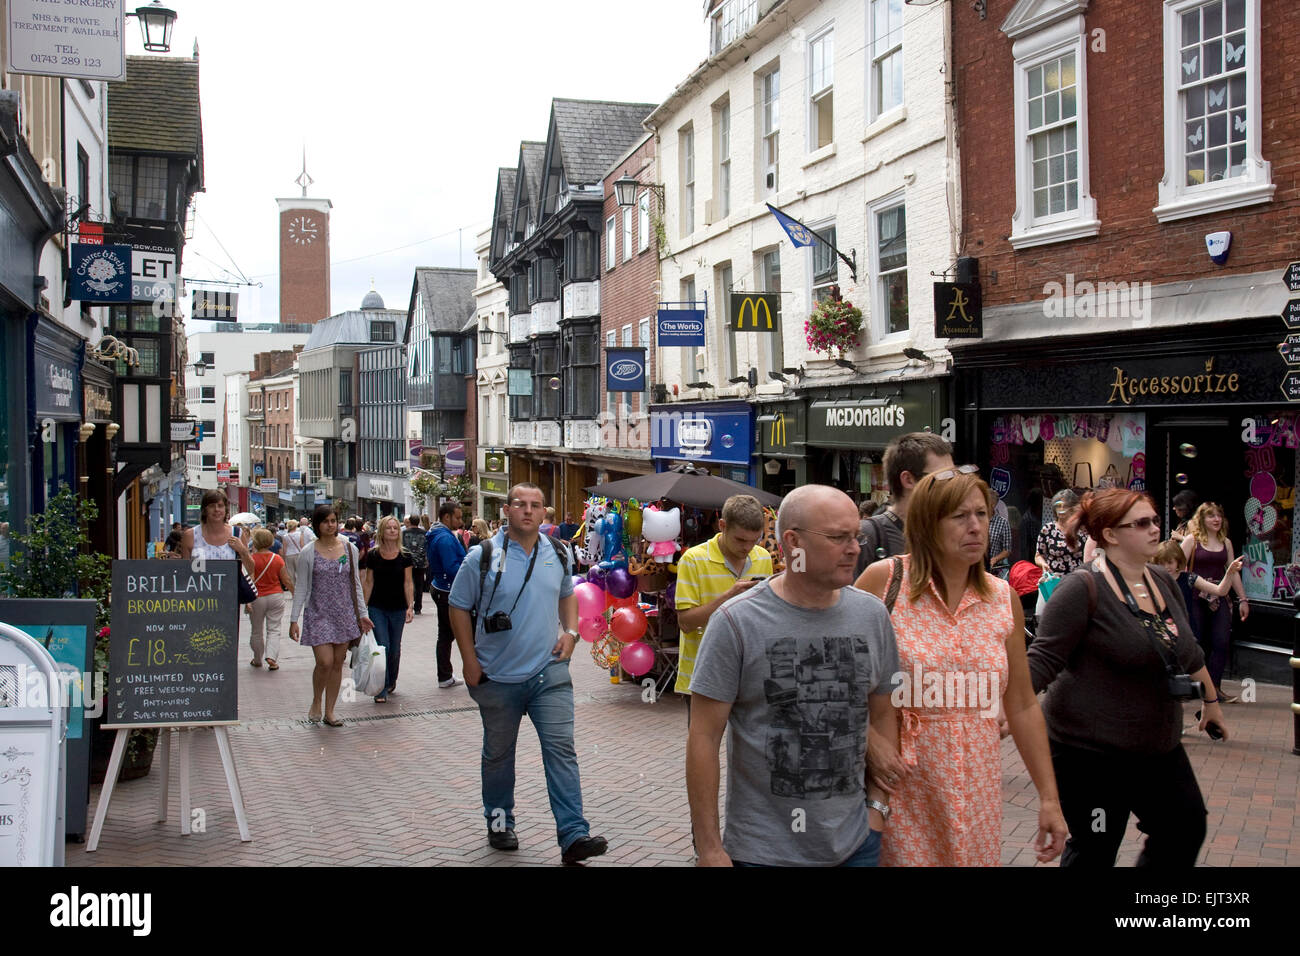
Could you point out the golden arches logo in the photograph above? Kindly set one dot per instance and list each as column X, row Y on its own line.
column 753, row 305
column 777, row 439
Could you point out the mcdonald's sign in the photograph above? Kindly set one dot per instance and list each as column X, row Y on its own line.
column 755, row 312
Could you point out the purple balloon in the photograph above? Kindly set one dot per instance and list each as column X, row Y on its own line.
column 578, row 579
column 620, row 583
column 597, row 576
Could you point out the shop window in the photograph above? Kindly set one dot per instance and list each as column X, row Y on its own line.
column 1272, row 566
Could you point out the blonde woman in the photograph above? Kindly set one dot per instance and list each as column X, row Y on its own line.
column 272, row 580
column 390, row 595
column 481, row 532
column 1209, row 555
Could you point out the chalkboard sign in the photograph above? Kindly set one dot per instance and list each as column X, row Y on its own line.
column 173, row 644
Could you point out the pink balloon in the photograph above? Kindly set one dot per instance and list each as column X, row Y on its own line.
column 628, row 624
column 591, row 600
column 637, row 659
column 591, row 629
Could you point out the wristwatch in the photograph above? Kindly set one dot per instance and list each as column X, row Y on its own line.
column 881, row 808
column 571, row 632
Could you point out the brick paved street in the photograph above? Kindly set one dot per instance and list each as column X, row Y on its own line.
column 412, row 766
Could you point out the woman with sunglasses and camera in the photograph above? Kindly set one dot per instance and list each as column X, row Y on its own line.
column 1116, row 655
column 961, row 653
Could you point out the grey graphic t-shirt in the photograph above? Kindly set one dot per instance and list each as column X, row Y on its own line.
column 798, row 682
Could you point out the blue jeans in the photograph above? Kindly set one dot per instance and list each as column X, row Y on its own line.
column 547, row 699
column 388, row 635
column 866, row 855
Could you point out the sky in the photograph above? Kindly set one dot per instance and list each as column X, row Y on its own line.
column 406, row 110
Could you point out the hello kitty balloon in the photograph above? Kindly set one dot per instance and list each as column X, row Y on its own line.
column 661, row 528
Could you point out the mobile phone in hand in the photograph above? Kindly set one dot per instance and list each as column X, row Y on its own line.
column 1214, row 730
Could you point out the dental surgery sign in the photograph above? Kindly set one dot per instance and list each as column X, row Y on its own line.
column 625, row 370
column 681, row 327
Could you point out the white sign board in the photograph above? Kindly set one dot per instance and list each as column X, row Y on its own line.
column 78, row 40
column 153, row 276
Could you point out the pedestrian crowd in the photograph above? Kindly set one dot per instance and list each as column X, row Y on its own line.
column 864, row 690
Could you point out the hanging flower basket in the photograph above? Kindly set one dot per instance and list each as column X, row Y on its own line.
column 833, row 325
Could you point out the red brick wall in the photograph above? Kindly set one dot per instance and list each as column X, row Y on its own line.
column 1126, row 147
column 279, row 414
column 628, row 292
column 304, row 271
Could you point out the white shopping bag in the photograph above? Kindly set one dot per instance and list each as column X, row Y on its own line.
column 369, row 665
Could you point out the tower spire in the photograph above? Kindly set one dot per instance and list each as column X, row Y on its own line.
column 303, row 179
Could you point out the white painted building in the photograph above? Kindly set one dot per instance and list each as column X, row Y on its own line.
column 835, row 111
column 222, row 352
column 491, row 307
column 234, row 443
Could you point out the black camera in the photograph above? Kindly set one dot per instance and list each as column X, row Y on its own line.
column 1182, row 687
column 500, row 621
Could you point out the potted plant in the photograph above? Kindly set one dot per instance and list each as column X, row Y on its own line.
column 833, row 325
column 53, row 560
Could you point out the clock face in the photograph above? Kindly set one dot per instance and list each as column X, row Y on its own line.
column 302, row 230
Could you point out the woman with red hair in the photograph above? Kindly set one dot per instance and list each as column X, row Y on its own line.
column 1116, row 655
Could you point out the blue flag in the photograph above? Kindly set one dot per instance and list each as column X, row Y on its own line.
column 799, row 234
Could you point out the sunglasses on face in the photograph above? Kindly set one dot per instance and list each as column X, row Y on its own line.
column 1150, row 521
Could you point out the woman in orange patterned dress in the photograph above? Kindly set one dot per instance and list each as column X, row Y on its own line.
column 961, row 649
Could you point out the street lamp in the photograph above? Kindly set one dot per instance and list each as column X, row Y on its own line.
column 155, row 26
column 626, row 187
column 200, row 367
column 485, row 336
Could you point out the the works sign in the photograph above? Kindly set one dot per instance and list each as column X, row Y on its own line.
column 755, row 312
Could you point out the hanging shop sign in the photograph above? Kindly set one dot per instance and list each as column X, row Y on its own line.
column 494, row 462
column 153, row 275
column 1291, row 276
column 414, row 449
column 722, row 433
column 957, row 311
column 223, row 471
column 755, row 312
column 269, row 486
column 215, row 306
column 625, row 369
column 99, row 273
column 1291, row 385
column 75, row 40
column 57, row 385
column 98, row 402
column 454, row 460
column 1290, row 349
column 680, row 327
column 494, row 486
column 185, row 431
column 783, row 429
column 1291, row 314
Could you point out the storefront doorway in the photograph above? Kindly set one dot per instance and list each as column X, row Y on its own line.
column 1201, row 455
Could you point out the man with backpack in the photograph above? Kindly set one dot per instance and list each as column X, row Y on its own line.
column 444, row 554
column 414, row 544
column 508, row 604
column 908, row 459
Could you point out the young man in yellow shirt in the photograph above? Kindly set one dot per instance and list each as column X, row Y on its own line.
column 712, row 573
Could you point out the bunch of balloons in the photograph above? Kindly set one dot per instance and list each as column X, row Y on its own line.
column 608, row 609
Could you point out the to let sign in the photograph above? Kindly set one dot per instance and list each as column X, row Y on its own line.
column 153, row 276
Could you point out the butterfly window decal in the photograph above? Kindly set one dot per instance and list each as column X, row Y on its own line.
column 1239, row 123
column 1217, row 99
column 1234, row 53
column 1195, row 138
column 1189, row 66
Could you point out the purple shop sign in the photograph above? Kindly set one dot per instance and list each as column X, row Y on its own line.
column 454, row 462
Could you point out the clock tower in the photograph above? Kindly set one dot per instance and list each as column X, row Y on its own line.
column 304, row 255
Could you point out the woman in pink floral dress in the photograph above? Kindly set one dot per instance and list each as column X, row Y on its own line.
column 961, row 651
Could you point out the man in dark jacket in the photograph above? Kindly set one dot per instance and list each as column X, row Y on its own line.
column 413, row 541
column 444, row 556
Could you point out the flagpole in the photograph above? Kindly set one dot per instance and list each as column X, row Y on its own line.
column 851, row 263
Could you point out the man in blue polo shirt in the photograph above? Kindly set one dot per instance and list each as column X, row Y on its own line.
column 516, row 662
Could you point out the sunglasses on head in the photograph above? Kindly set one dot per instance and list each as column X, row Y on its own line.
column 954, row 472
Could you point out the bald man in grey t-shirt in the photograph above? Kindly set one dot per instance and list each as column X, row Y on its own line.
column 794, row 669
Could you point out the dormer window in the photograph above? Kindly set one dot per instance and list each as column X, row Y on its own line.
column 383, row 331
